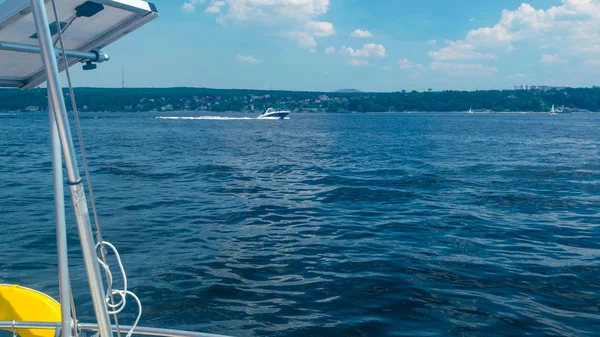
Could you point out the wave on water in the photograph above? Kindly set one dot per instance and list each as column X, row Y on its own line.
column 5, row 114
column 366, row 225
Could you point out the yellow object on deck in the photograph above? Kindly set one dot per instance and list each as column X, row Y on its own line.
column 27, row 305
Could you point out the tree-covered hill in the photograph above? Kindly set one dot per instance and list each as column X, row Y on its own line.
column 218, row 100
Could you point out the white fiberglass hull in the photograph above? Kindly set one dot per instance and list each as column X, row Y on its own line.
column 275, row 115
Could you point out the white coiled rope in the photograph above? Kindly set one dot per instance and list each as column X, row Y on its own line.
column 115, row 308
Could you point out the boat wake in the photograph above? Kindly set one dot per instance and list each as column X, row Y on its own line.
column 216, row 118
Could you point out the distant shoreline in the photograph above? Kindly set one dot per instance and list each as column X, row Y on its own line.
column 206, row 112
column 255, row 101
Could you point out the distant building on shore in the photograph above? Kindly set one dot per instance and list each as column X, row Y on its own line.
column 537, row 87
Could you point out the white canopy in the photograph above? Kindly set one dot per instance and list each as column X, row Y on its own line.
column 86, row 25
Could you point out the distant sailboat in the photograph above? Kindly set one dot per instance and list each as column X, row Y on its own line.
column 470, row 110
column 553, row 111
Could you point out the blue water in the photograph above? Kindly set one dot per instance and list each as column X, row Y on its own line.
column 327, row 225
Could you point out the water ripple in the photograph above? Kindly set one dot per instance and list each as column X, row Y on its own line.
column 337, row 225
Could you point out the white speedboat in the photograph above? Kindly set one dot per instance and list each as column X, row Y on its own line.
column 275, row 114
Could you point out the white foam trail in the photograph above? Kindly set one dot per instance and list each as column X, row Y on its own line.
column 271, row 118
column 215, row 118
column 205, row 118
column 3, row 114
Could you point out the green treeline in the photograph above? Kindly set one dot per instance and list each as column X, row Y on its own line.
column 219, row 100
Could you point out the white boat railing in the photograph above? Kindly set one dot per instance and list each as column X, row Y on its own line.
column 146, row 331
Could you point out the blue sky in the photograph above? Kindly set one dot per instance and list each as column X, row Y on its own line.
column 371, row 45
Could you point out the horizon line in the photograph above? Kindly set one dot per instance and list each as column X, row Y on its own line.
column 337, row 91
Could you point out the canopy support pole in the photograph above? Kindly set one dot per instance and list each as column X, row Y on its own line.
column 93, row 56
column 84, row 227
column 61, row 225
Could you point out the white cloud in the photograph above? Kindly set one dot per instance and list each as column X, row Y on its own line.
column 361, row 33
column 303, row 39
column 572, row 29
column 432, row 42
column 295, row 19
column 552, row 59
column 247, row 59
column 404, row 64
column 358, row 63
column 460, row 51
column 368, row 50
column 516, row 76
column 386, row 68
column 330, row 50
column 320, row 28
column 591, row 63
column 463, row 70
column 190, row 5
column 490, row 36
column 274, row 10
column 215, row 7
column 471, row 19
